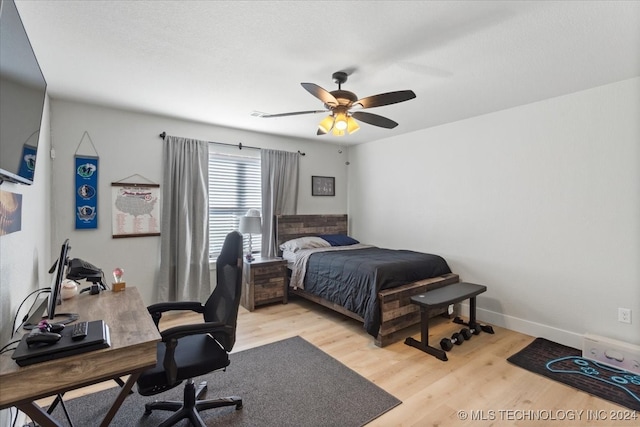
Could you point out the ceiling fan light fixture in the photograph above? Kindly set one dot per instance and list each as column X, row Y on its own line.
column 352, row 125
column 340, row 103
column 341, row 121
column 326, row 124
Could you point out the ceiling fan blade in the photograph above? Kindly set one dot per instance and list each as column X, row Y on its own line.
column 374, row 119
column 321, row 94
column 386, row 98
column 320, row 132
column 296, row 113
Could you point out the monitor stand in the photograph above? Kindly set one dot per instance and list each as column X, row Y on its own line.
column 68, row 318
column 37, row 314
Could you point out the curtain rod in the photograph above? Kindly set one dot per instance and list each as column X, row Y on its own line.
column 239, row 145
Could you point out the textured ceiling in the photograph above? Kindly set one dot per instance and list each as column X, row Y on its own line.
column 217, row 61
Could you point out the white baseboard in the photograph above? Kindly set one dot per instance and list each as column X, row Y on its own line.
column 526, row 327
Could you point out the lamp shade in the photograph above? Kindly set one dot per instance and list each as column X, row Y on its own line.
column 341, row 121
column 326, row 124
column 352, row 125
column 250, row 224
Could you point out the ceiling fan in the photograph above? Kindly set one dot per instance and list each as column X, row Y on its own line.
column 339, row 104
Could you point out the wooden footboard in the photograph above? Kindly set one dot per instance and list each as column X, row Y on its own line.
column 397, row 311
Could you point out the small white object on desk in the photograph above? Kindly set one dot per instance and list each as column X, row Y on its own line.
column 69, row 289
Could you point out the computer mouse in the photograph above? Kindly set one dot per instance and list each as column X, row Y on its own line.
column 45, row 326
column 43, row 338
column 56, row 327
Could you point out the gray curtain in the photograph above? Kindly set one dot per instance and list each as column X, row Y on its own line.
column 184, row 252
column 279, row 192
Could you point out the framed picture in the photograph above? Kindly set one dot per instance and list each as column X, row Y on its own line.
column 135, row 210
column 323, row 186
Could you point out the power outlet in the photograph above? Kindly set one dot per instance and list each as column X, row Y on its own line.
column 624, row 315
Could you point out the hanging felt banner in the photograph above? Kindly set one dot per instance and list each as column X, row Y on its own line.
column 28, row 162
column 86, row 192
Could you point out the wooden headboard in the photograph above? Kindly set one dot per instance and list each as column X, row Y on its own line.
column 293, row 226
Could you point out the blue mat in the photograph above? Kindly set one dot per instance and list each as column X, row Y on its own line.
column 565, row 364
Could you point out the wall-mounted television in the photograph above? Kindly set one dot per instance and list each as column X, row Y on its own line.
column 23, row 90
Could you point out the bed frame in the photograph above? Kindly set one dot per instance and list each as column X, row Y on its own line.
column 397, row 311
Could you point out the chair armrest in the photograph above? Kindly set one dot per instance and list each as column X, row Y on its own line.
column 161, row 307
column 157, row 309
column 178, row 332
column 170, row 338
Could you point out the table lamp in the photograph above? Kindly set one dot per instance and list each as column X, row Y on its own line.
column 251, row 223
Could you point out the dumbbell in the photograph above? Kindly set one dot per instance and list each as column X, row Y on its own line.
column 484, row 328
column 468, row 333
column 447, row 344
column 474, row 329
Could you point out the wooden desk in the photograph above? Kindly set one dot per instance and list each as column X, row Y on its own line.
column 134, row 338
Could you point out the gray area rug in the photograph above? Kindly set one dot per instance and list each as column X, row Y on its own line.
column 286, row 383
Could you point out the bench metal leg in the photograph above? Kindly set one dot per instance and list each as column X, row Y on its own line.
column 423, row 344
column 472, row 314
column 472, row 319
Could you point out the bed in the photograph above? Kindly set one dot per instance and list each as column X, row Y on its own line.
column 379, row 294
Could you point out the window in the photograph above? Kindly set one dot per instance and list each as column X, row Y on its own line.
column 234, row 188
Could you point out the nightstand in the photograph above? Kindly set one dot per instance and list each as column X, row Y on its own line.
column 264, row 281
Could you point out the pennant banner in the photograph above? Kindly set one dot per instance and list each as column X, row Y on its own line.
column 28, row 162
column 86, row 192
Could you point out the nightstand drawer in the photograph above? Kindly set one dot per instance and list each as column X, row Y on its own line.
column 268, row 289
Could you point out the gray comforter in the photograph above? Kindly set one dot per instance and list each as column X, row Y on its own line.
column 353, row 278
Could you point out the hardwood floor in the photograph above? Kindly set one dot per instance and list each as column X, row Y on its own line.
column 477, row 378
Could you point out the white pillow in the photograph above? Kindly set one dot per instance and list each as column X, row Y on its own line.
column 289, row 256
column 308, row 242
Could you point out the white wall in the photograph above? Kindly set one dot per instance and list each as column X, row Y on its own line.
column 540, row 202
column 25, row 256
column 128, row 143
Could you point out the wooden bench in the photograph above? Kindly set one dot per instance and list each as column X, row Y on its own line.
column 440, row 298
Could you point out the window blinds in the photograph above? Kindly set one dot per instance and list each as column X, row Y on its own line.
column 234, row 188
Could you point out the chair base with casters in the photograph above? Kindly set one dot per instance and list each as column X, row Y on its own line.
column 191, row 405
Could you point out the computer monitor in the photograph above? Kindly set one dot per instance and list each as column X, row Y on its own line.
column 56, row 286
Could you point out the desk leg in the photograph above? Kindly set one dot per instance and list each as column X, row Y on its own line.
column 38, row 414
column 424, row 343
column 124, row 392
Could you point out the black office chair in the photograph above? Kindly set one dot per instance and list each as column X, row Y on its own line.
column 189, row 351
